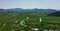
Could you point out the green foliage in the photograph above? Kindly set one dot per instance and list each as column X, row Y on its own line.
column 33, row 21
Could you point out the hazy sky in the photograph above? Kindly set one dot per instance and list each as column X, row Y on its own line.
column 55, row 4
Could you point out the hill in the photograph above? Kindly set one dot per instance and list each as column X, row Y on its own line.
column 57, row 13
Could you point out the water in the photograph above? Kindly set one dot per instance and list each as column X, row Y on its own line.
column 49, row 30
column 21, row 23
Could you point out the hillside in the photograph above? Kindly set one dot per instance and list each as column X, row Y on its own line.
column 57, row 13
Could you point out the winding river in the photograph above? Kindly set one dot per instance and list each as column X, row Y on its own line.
column 21, row 23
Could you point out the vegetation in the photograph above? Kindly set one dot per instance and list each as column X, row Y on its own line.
column 9, row 21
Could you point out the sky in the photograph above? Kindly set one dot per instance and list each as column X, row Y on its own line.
column 45, row 4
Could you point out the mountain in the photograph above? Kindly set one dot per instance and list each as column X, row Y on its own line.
column 57, row 13
column 2, row 10
column 35, row 10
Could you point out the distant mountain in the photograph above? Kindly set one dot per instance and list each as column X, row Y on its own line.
column 2, row 10
column 29, row 10
column 51, row 10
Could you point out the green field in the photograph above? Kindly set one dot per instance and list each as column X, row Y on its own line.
column 10, row 25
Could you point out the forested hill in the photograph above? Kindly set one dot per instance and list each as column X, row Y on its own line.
column 57, row 13
column 28, row 10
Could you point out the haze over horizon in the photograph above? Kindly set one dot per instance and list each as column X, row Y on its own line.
column 29, row 4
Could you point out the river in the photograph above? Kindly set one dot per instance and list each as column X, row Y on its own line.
column 21, row 23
